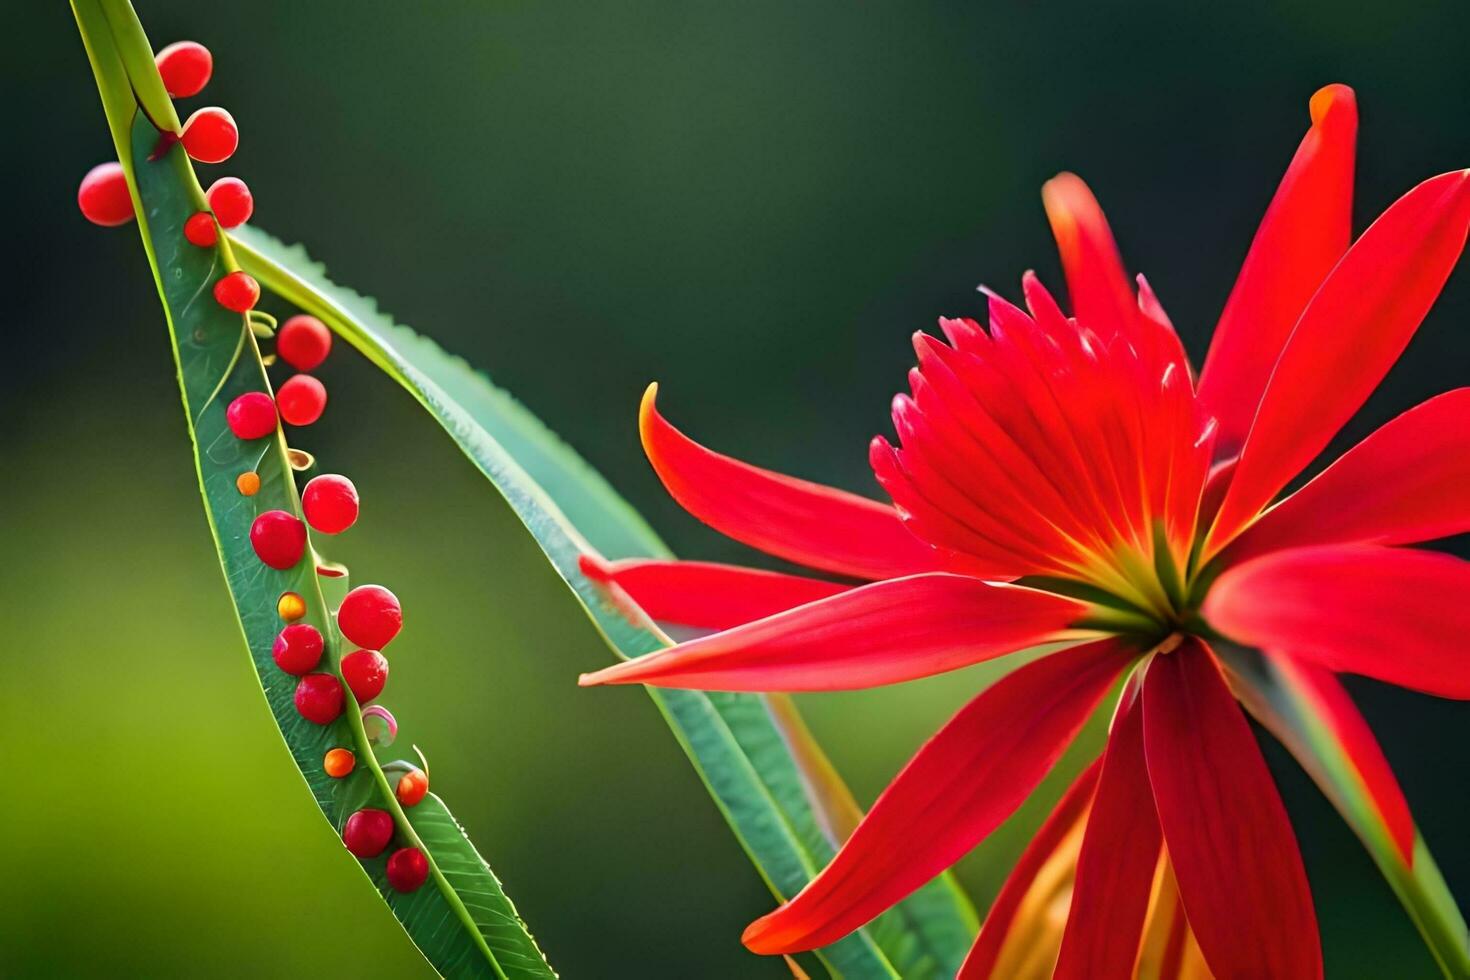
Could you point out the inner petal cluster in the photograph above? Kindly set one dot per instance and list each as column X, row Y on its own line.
column 1044, row 447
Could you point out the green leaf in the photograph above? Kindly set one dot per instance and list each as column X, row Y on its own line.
column 460, row 919
column 1280, row 703
column 742, row 745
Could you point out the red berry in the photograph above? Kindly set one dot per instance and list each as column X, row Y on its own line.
column 319, row 698
column 330, row 502
column 200, row 229
column 252, row 415
column 279, row 538
column 231, row 201
column 407, row 869
column 370, row 616
column 185, row 67
column 368, row 832
column 298, row 649
column 303, row 342
column 366, row 674
column 103, row 196
column 301, row 399
column 210, row 135
column 237, row 291
column 413, row 786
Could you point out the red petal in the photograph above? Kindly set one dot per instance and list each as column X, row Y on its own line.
column 1395, row 614
column 704, row 594
column 1102, row 296
column 1240, row 873
column 1348, row 337
column 881, row 633
column 1335, row 705
column 1072, row 807
column 804, row 522
column 1407, row 482
column 1307, row 228
column 1115, row 871
column 959, row 787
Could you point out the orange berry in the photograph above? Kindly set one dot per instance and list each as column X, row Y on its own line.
column 339, row 762
column 291, row 607
column 248, row 483
column 412, row 787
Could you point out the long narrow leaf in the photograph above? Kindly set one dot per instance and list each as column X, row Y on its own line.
column 744, row 755
column 461, row 919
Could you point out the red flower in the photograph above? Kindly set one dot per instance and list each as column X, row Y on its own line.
column 1066, row 480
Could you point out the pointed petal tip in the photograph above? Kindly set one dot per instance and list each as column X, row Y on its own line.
column 1329, row 97
column 594, row 567
column 650, row 395
column 605, row 676
column 761, row 936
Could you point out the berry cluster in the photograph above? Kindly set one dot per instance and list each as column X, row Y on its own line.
column 370, row 616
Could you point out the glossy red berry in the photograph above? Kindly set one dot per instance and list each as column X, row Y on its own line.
column 279, row 538
column 302, row 399
column 368, row 832
column 237, row 291
column 303, row 342
column 370, row 616
column 366, row 673
column 210, row 135
column 252, row 415
column 103, row 196
column 185, row 67
column 298, row 649
column 412, row 787
column 408, row 869
column 231, row 201
column 200, row 230
column 330, row 503
column 319, row 698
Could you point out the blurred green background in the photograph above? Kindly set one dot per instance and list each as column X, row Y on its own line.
column 753, row 203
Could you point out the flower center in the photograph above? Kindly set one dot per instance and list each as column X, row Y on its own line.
column 1038, row 449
